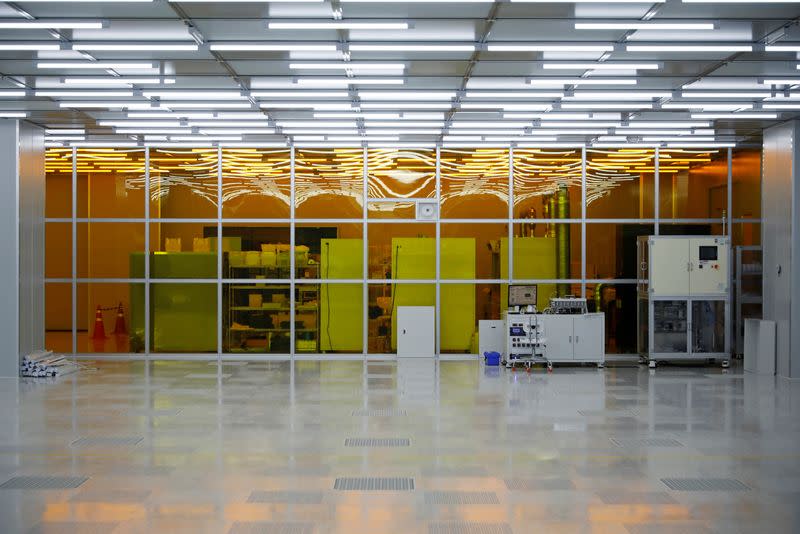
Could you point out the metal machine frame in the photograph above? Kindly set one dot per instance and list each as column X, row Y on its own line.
column 647, row 301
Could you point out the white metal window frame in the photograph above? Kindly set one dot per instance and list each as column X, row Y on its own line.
column 365, row 281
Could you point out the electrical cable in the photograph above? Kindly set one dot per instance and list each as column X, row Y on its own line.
column 394, row 276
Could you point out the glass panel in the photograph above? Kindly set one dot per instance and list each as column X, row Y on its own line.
column 58, row 250
column 746, row 180
column 110, row 182
column 474, row 183
column 746, row 234
column 183, row 183
column 183, row 317
column 254, row 250
column 399, row 173
column 183, row 250
column 465, row 305
column 402, row 250
column 691, row 229
column 547, row 183
column 619, row 183
column 545, row 251
column 111, row 317
column 693, row 183
column 669, row 326
column 470, row 251
column 256, row 183
column 58, row 317
column 383, row 302
column 110, row 250
column 329, row 318
column 334, row 251
column 329, row 183
column 611, row 249
column 708, row 326
column 618, row 303
column 256, row 318
column 58, row 183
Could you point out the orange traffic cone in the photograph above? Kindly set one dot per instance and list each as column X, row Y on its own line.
column 119, row 327
column 99, row 328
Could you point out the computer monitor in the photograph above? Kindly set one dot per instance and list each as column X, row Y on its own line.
column 520, row 295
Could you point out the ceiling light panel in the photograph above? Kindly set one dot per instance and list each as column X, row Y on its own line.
column 337, row 25
column 644, row 26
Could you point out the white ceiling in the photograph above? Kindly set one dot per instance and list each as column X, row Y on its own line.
column 446, row 97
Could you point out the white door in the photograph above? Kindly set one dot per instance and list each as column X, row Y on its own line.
column 669, row 266
column 558, row 336
column 416, row 332
column 589, row 337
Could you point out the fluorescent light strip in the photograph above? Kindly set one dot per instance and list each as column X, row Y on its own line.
column 272, row 47
column 579, row 124
column 301, row 131
column 244, row 131
column 211, row 105
column 98, row 144
column 138, row 47
column 763, row 116
column 96, row 94
column 104, row 65
column 781, row 82
column 108, row 105
column 315, row 124
column 701, row 145
column 644, row 26
column 405, row 105
column 300, row 104
column 345, row 82
column 673, row 124
column 11, row 94
column 520, row 95
column 679, row 139
column 348, row 66
column 59, row 131
column 588, row 1
column 600, row 66
column 300, row 94
column 114, row 81
column 617, row 96
column 224, row 124
column 704, row 105
column 781, row 106
column 64, row 138
column 689, row 48
column 598, row 105
column 411, row 124
column 50, row 24
column 506, row 106
column 192, row 95
column 205, row 138
column 406, row 95
column 29, row 46
column 548, row 48
column 338, row 25
column 152, row 131
column 359, row 115
column 142, row 124
column 544, row 82
column 720, row 94
column 412, row 47
column 488, row 124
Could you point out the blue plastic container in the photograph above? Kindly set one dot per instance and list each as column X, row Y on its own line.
column 492, row 358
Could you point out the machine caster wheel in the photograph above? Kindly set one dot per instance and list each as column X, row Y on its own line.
column 549, row 367
column 642, row 361
column 504, row 363
column 652, row 364
column 726, row 364
column 601, row 366
column 528, row 369
column 513, row 368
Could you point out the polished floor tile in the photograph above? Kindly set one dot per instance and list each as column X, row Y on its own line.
column 406, row 447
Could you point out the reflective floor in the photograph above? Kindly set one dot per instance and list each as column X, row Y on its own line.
column 404, row 447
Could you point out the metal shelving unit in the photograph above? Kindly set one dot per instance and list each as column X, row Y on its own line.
column 748, row 283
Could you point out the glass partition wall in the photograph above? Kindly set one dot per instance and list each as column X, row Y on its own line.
column 306, row 253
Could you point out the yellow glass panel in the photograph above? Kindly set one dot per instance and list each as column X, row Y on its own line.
column 332, row 251
column 58, row 317
column 256, row 183
column 58, row 182
column 619, row 183
column 474, row 183
column 329, row 183
column 399, row 174
column 383, row 302
column 110, row 182
column 183, row 317
column 256, row 318
column 111, row 317
column 402, row 250
column 110, row 250
column 58, row 250
column 183, row 183
column 547, row 183
column 183, row 250
column 693, row 183
column 746, row 179
column 472, row 250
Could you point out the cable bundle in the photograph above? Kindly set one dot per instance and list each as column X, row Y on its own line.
column 44, row 363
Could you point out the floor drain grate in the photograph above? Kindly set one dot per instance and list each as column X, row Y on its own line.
column 461, row 497
column 73, row 527
column 43, row 483
column 377, row 442
column 469, row 528
column 705, row 484
column 267, row 527
column 293, row 497
column 374, row 484
column 626, row 443
column 543, row 484
column 106, row 442
column 379, row 412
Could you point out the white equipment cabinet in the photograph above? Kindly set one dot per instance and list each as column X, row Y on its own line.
column 574, row 338
column 524, row 342
column 683, row 298
column 416, row 335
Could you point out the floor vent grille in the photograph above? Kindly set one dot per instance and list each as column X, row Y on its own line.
column 293, row 497
column 705, row 484
column 43, row 483
column 461, row 497
column 377, row 442
column 379, row 412
column 106, row 442
column 374, row 484
column 469, row 528
column 265, row 527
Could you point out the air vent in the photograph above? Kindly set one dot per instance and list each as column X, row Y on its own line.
column 374, row 484
column 705, row 484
